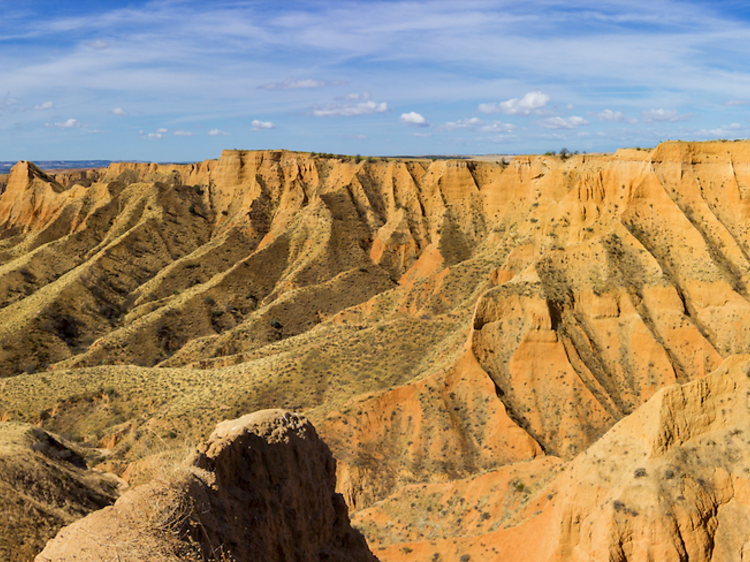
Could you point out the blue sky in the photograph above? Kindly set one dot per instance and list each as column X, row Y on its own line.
column 181, row 80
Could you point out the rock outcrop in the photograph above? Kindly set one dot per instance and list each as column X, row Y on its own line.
column 30, row 199
column 262, row 487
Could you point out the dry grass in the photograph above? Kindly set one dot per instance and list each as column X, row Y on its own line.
column 42, row 487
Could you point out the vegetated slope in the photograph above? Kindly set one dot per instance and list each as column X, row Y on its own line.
column 438, row 320
column 44, row 484
column 261, row 488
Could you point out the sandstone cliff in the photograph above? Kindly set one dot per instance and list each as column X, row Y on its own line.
column 261, row 488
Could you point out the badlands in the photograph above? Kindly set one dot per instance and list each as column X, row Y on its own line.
column 525, row 360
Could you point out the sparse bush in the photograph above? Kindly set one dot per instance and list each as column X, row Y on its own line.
column 65, row 326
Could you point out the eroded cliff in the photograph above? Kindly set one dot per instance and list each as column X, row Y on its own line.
column 440, row 321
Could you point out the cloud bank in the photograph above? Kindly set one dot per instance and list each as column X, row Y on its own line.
column 533, row 102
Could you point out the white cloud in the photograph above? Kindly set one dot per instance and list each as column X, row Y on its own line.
column 260, row 125
column 150, row 136
column 660, row 115
column 422, row 135
column 153, row 136
column 216, row 133
column 120, row 112
column 615, row 117
column 99, row 45
column 180, row 133
column 572, row 122
column 732, row 103
column 413, row 119
column 498, row 127
column 724, row 131
column 471, row 123
column 349, row 110
column 532, row 102
column 69, row 124
column 96, row 131
column 44, row 106
column 354, row 97
column 297, row 84
column 476, row 124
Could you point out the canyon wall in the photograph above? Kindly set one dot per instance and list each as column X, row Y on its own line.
column 439, row 321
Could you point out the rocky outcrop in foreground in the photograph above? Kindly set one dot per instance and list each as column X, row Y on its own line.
column 261, row 488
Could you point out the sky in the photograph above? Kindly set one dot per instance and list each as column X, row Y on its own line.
column 178, row 81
